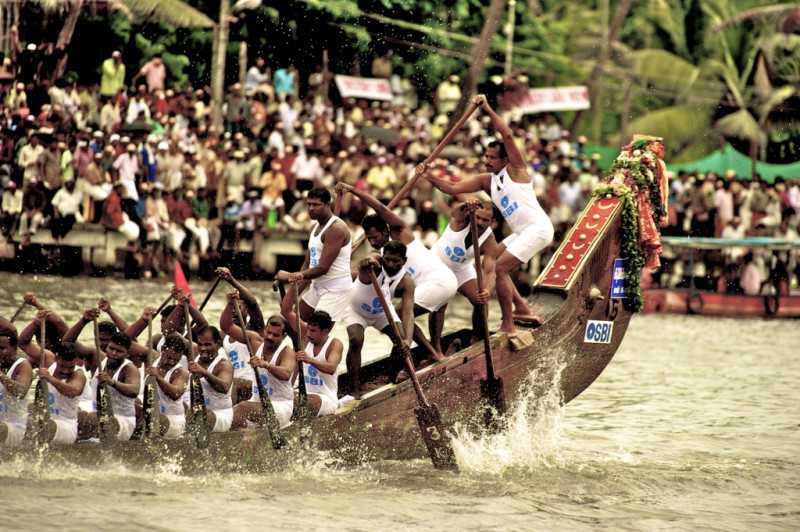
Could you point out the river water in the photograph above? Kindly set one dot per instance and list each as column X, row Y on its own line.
column 694, row 425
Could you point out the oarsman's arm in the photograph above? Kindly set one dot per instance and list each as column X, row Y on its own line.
column 19, row 383
column 234, row 331
column 332, row 358
column 473, row 184
column 173, row 388
column 336, row 237
column 135, row 329
column 137, row 349
column 392, row 219
column 72, row 387
column 285, row 367
column 26, row 343
column 128, row 385
column 105, row 305
column 30, row 299
column 406, row 289
column 256, row 321
column 517, row 167
column 490, row 249
column 220, row 379
column 72, row 334
column 57, row 321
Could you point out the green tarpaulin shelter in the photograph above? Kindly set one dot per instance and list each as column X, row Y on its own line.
column 718, row 162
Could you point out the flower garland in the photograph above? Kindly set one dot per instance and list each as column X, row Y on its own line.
column 635, row 172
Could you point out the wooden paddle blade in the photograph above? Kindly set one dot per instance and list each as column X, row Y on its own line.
column 151, row 409
column 197, row 424
column 436, row 439
column 105, row 416
column 40, row 413
column 494, row 397
column 271, row 419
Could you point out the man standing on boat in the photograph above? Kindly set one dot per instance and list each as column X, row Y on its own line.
column 122, row 381
column 435, row 283
column 320, row 359
column 456, row 250
column 244, row 385
column 216, row 377
column 273, row 361
column 327, row 265
column 366, row 309
column 15, row 380
column 172, row 380
column 511, row 189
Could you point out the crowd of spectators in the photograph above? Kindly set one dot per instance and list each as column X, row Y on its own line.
column 143, row 159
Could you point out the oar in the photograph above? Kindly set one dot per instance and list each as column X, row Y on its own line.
column 197, row 424
column 492, row 389
column 428, row 417
column 301, row 381
column 160, row 308
column 210, row 292
column 411, row 183
column 17, row 312
column 41, row 408
column 105, row 411
column 272, row 423
column 150, row 408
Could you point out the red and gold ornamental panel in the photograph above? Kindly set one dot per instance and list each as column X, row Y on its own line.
column 569, row 260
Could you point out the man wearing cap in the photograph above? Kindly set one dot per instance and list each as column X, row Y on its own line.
column 110, row 116
column 113, row 75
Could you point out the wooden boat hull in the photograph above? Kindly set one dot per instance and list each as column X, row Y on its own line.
column 724, row 305
column 581, row 331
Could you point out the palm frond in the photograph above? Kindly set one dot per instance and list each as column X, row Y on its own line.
column 174, row 12
column 774, row 10
column 741, row 125
column 680, row 125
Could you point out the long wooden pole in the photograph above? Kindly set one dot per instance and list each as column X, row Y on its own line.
column 428, row 416
column 411, row 183
column 301, row 382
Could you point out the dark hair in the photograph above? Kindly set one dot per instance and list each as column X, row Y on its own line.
column 395, row 247
column 122, row 339
column 66, row 351
column 277, row 320
column 373, row 221
column 320, row 193
column 213, row 330
column 8, row 330
column 500, row 147
column 167, row 311
column 177, row 343
column 106, row 327
column 321, row 319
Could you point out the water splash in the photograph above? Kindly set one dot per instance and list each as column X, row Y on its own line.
column 531, row 438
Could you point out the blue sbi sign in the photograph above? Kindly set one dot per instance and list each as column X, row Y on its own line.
column 618, row 279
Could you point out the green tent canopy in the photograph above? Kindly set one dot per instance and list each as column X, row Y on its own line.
column 728, row 158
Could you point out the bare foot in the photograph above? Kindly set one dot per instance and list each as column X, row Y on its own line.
column 508, row 328
column 530, row 318
column 454, row 346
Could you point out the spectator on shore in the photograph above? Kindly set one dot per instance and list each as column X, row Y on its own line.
column 10, row 209
column 256, row 77
column 66, row 210
column 155, row 74
column 112, row 75
column 285, row 80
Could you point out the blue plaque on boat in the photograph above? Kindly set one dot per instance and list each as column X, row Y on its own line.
column 618, row 279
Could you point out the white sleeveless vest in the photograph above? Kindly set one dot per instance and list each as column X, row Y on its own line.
column 214, row 399
column 122, row 405
column 366, row 302
column 277, row 389
column 452, row 250
column 239, row 356
column 422, row 264
column 338, row 276
column 317, row 381
column 516, row 201
column 13, row 410
column 167, row 405
column 59, row 405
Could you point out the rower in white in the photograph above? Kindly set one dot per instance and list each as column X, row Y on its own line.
column 435, row 283
column 172, row 380
column 15, row 380
column 366, row 309
column 511, row 188
column 216, row 377
column 65, row 385
column 320, row 359
column 327, row 264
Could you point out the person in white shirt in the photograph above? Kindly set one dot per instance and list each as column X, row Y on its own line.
column 320, row 358
column 11, row 208
column 66, row 210
column 28, row 159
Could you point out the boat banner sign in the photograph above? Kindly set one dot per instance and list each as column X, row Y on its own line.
column 369, row 88
column 618, row 279
column 598, row 332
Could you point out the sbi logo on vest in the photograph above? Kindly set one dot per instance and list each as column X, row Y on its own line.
column 313, row 257
column 312, row 375
column 506, row 207
column 376, row 307
column 456, row 254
